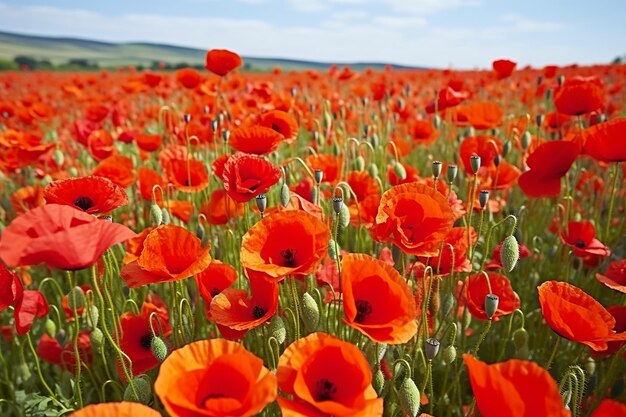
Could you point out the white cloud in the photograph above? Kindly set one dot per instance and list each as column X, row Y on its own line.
column 309, row 5
column 400, row 22
column 522, row 24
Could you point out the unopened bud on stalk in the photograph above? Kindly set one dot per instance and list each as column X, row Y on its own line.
column 506, row 148
column 359, row 163
column 51, row 327
column 590, row 366
column 431, row 348
column 58, row 157
column 539, row 120
column 310, row 312
column 226, row 136
column 332, row 250
column 437, row 121
column 337, row 204
column 96, row 337
column 437, row 166
column 344, row 216
column 143, row 389
column 520, row 338
column 156, row 214
column 73, row 171
column 475, row 163
column 509, row 253
column 451, row 172
column 76, row 298
column 314, row 194
column 526, row 140
column 200, row 232
column 378, row 381
column 277, row 329
column 567, row 398
column 284, row 195
column 375, row 141
column 496, row 160
column 261, row 202
column 92, row 315
column 409, row 397
column 449, row 354
column 399, row 170
column 159, row 348
column 372, row 170
column 483, row 198
column 61, row 337
column 375, row 352
column 491, row 305
column 165, row 215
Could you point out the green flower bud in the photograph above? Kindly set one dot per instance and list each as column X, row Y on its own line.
column 520, row 338
column 526, row 140
column 509, row 253
column 449, row 354
column 58, row 157
column 159, row 348
column 76, row 298
column 378, row 381
column 372, row 169
column 51, row 327
column 332, row 250
column 284, row 195
column 359, row 163
column 437, row 121
column 506, row 148
column 314, row 194
column 97, row 339
column 522, row 353
column 143, row 390
column 310, row 312
column 344, row 216
column 200, row 232
column 165, row 216
column 277, row 329
column 399, row 170
column 92, row 315
column 590, row 366
column 375, row 352
column 409, row 397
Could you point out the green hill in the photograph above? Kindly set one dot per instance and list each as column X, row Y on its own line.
column 105, row 54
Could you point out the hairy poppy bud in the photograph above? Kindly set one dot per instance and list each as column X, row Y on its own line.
column 156, row 214
column 159, row 348
column 96, row 337
column 437, row 166
column 506, row 148
column 277, row 329
column 372, row 169
column 483, row 198
column 522, row 353
column 284, row 195
column 378, row 381
column 475, row 163
column 76, row 298
column 359, row 163
column 509, row 253
column 58, row 157
column 319, row 175
column 344, row 216
column 51, row 327
column 452, row 170
column 166, row 219
column 314, row 194
column 399, row 170
column 449, row 354
column 375, row 353
column 409, row 397
column 92, row 315
column 431, row 348
column 491, row 305
column 310, row 312
column 526, row 140
column 72, row 171
column 143, row 390
column 447, row 301
column 590, row 366
column 261, row 202
column 337, row 204
column 520, row 338
column 332, row 250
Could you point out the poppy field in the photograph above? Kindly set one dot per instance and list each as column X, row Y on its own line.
column 391, row 242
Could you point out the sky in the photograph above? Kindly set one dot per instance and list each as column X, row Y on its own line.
column 459, row 34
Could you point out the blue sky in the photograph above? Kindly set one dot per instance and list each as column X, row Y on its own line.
column 436, row 33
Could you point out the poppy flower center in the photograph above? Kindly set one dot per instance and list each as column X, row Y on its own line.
column 84, row 203
column 325, row 390
column 146, row 341
column 276, row 127
column 580, row 243
column 363, row 310
column 289, row 257
column 258, row 312
column 215, row 291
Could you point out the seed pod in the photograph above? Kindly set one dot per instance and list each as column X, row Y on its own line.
column 76, row 298
column 475, row 163
column 431, row 348
column 506, row 148
column 143, row 389
column 159, row 348
column 310, row 312
column 409, row 397
column 314, row 194
column 277, row 329
column 187, row 118
column 284, row 195
column 491, row 305
column 483, row 198
column 437, row 166
column 509, row 253
column 452, row 170
column 319, row 175
column 261, row 202
column 344, row 216
column 449, row 354
column 337, row 204
column 520, row 338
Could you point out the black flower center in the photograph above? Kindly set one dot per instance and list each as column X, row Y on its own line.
column 276, row 127
column 289, row 257
column 84, row 203
column 580, row 244
column 363, row 310
column 258, row 312
column 325, row 390
column 146, row 341
column 215, row 291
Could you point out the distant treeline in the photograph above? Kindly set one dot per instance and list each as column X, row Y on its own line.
column 25, row 62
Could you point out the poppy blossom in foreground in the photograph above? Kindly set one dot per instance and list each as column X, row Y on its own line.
column 514, row 388
column 414, row 217
column 222, row 61
column 121, row 409
column 59, row 236
column 256, row 140
column 214, row 378
column 91, row 194
column 246, row 176
column 291, row 242
column 581, row 237
column 377, row 300
column 10, row 287
column 548, row 164
column 610, row 408
column 169, row 253
column 606, row 142
column 325, row 376
column 575, row 315
column 615, row 276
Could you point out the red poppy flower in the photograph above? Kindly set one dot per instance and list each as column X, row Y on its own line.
column 30, row 305
column 619, row 314
column 503, row 68
column 575, row 315
column 487, row 147
column 281, row 122
column 325, row 376
column 100, row 144
column 222, row 61
column 235, row 309
column 548, row 164
column 169, row 253
column 118, row 169
column 214, row 378
column 59, row 236
column 376, row 299
column 220, row 208
column 477, row 288
column 50, row 350
column 581, row 237
column 455, row 252
column 10, row 287
column 189, row 175
column 606, row 142
column 610, row 408
column 423, row 132
column 136, row 340
column 213, row 280
column 483, row 115
column 256, row 140
column 514, row 388
column 121, row 409
column 188, row 78
column 414, row 217
column 447, row 97
column 615, row 276
column 149, row 142
column 291, row 242
column 148, row 178
column 246, row 176
column 91, row 194
column 579, row 95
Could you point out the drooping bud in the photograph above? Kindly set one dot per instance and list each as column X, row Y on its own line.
column 261, row 202
column 409, row 397
column 375, row 141
column 96, row 337
column 378, row 381
column 143, row 390
column 344, row 216
column 506, row 148
column 431, row 348
column 491, row 305
column 375, row 353
column 452, row 170
column 200, row 232
column 76, row 298
column 284, row 195
column 58, row 157
column 372, row 170
column 475, row 163
column 437, row 121
column 156, row 214
column 359, row 163
column 483, row 198
column 509, row 253
column 314, row 194
column 526, row 140
column 332, row 249
column 310, row 312
column 399, row 170
column 277, row 329
column 449, row 354
column 166, row 219
column 159, row 348
column 520, row 338
column 51, row 327
column 590, row 366
column 92, row 315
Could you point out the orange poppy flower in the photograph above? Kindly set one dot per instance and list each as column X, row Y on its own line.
column 59, row 236
column 256, row 140
column 579, row 95
column 610, row 408
column 487, row 147
column 121, row 409
column 575, row 315
column 213, row 280
column 615, row 276
column 220, row 208
column 281, row 122
column 503, row 68
column 148, row 178
column 477, row 288
column 414, row 217
column 134, row 245
column 548, row 164
column 188, row 78
column 27, row 198
column 100, row 144
column 291, row 242
column 483, row 115
column 325, row 376
column 148, row 143
column 514, row 388
column 118, row 169
column 423, row 132
column 329, row 164
column 214, row 377
column 581, row 237
column 190, row 176
column 246, row 176
column 91, row 194
column 222, row 61
column 169, row 253
column 606, row 142
column 136, row 340
column 376, row 299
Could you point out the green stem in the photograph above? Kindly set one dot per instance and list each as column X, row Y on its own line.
column 481, row 338
column 607, row 225
column 553, row 354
